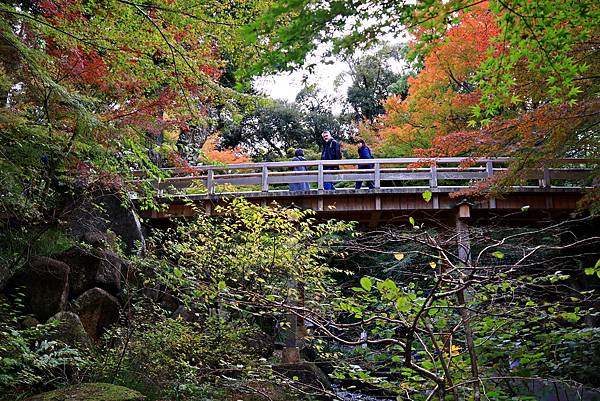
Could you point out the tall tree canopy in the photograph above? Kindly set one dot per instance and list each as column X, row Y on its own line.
column 94, row 85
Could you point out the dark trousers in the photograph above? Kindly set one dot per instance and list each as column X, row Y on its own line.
column 328, row 186
column 370, row 184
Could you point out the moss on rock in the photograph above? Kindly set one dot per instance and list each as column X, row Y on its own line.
column 90, row 392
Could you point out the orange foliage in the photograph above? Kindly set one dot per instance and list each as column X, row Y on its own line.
column 235, row 156
column 441, row 96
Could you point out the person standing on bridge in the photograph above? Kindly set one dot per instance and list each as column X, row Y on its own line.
column 364, row 153
column 299, row 186
column 331, row 151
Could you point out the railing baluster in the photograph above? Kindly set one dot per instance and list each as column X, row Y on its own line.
column 433, row 182
column 377, row 182
column 265, row 179
column 320, row 181
column 489, row 168
column 210, row 181
column 546, row 181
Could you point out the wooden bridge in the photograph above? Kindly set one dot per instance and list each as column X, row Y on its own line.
column 402, row 186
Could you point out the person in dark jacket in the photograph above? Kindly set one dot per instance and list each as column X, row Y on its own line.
column 300, row 186
column 331, row 151
column 364, row 153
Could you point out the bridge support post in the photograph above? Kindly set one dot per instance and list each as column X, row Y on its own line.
column 462, row 232
column 291, row 352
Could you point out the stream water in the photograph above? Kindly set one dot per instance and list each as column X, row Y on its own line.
column 353, row 395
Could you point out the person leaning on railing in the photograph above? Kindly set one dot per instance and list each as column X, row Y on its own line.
column 299, row 186
column 331, row 151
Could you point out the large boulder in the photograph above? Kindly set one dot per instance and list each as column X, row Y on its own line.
column 45, row 284
column 105, row 212
column 90, row 392
column 96, row 309
column 70, row 330
column 93, row 268
column 306, row 373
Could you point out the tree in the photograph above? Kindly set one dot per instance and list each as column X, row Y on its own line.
column 442, row 94
column 276, row 126
column 93, row 89
column 268, row 132
column 465, row 312
column 541, row 36
column 371, row 77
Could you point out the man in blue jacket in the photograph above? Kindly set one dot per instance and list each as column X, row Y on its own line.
column 364, row 153
column 331, row 151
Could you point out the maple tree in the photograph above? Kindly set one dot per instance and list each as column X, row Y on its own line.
column 96, row 88
column 442, row 94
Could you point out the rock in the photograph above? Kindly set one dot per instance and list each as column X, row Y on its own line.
column 98, row 240
column 106, row 212
column 70, row 330
column 261, row 344
column 30, row 322
column 304, row 372
column 96, row 309
column 5, row 274
column 93, row 268
column 45, row 284
column 90, row 392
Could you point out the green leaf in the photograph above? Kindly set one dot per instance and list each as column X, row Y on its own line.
column 411, row 220
column 178, row 272
column 366, row 283
column 498, row 255
column 427, row 195
column 221, row 285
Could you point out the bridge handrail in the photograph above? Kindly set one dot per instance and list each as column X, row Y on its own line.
column 344, row 162
column 412, row 169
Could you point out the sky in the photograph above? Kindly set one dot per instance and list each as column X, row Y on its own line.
column 285, row 86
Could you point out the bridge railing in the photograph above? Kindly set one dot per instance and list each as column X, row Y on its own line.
column 440, row 173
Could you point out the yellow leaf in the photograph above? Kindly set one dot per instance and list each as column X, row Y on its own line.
column 433, row 265
column 398, row 256
column 454, row 350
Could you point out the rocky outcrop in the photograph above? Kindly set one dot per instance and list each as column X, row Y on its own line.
column 93, row 268
column 44, row 282
column 70, row 330
column 97, row 309
column 105, row 212
column 90, row 392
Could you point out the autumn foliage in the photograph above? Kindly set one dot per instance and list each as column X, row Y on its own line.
column 441, row 96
